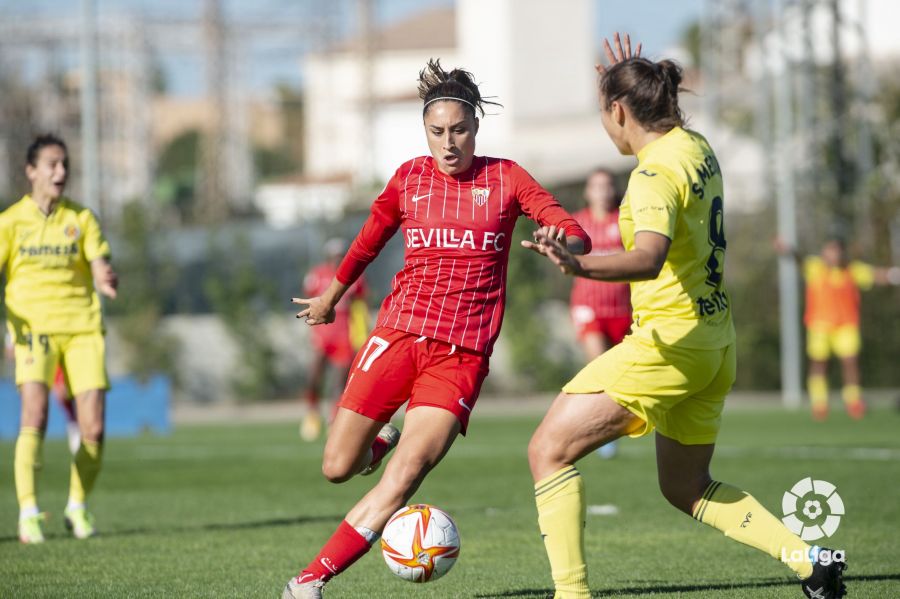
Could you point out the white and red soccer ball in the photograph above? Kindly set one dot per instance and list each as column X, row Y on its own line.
column 420, row 543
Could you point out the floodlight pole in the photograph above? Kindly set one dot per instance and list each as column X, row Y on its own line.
column 90, row 154
column 789, row 296
column 365, row 12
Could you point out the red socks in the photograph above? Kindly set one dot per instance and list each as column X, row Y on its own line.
column 312, row 399
column 379, row 449
column 340, row 552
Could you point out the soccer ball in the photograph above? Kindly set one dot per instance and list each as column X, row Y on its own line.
column 420, row 543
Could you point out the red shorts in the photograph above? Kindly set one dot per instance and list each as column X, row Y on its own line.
column 586, row 321
column 335, row 347
column 395, row 366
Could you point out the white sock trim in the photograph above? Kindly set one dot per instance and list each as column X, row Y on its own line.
column 368, row 534
column 29, row 512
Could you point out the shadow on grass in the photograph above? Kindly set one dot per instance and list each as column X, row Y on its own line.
column 684, row 588
column 272, row 522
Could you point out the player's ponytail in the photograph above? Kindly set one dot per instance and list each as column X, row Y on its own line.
column 437, row 84
column 649, row 89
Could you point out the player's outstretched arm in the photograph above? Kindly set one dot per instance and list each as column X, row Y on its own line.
column 642, row 263
column 106, row 281
column 320, row 309
column 887, row 276
column 782, row 248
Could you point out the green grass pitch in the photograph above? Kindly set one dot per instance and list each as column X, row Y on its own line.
column 234, row 511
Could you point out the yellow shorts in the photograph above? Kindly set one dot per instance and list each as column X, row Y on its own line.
column 678, row 391
column 82, row 357
column 821, row 341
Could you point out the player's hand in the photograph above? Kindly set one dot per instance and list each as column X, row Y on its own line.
column 555, row 250
column 620, row 54
column 552, row 232
column 781, row 247
column 106, row 281
column 317, row 310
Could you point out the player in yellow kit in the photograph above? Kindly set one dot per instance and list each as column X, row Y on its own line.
column 833, row 286
column 56, row 260
column 673, row 372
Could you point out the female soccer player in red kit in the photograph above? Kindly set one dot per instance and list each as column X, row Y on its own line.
column 438, row 325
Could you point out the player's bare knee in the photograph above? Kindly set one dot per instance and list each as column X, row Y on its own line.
column 682, row 494
column 544, row 452
column 535, row 450
column 34, row 419
column 92, row 432
column 675, row 497
column 338, row 469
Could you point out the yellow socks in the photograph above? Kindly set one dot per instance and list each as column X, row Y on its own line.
column 817, row 385
column 743, row 519
column 29, row 446
column 561, row 518
column 851, row 394
column 85, row 468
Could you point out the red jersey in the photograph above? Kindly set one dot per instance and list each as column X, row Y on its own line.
column 315, row 283
column 607, row 300
column 457, row 231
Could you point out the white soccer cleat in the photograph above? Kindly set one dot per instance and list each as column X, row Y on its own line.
column 80, row 522
column 295, row 589
column 30, row 532
column 311, row 426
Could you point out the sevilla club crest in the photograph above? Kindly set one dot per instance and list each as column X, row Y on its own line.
column 480, row 195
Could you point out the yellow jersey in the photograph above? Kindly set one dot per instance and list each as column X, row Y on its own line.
column 49, row 286
column 676, row 190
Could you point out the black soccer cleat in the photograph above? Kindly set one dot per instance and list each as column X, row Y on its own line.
column 827, row 579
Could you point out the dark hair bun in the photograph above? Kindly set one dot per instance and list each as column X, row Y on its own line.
column 649, row 89
column 458, row 84
column 672, row 74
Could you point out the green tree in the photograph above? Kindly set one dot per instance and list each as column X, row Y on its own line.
column 532, row 281
column 176, row 174
column 287, row 157
column 147, row 280
column 242, row 299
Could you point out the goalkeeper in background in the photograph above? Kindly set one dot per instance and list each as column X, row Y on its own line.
column 833, row 283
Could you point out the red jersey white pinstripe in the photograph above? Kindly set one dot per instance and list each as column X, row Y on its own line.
column 607, row 300
column 457, row 232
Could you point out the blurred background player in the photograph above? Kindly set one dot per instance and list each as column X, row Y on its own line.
column 437, row 328
column 601, row 311
column 833, row 283
column 337, row 343
column 56, row 260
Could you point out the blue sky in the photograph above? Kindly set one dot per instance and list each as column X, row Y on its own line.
column 658, row 23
